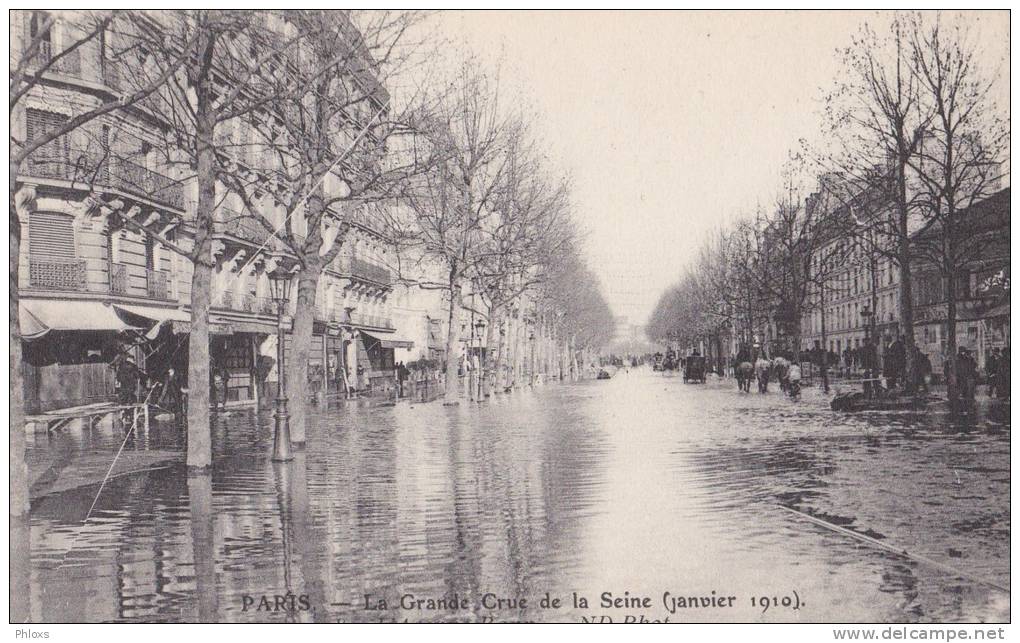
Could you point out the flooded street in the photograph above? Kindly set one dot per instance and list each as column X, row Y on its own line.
column 640, row 484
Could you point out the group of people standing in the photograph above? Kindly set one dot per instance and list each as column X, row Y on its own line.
column 134, row 385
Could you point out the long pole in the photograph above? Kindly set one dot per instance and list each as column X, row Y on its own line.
column 902, row 552
column 281, row 436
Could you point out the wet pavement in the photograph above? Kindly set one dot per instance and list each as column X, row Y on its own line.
column 635, row 486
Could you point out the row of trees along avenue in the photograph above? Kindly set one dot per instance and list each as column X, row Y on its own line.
column 291, row 115
column 913, row 137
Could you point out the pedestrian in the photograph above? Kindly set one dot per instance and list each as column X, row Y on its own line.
column 966, row 373
column 127, row 377
column 1002, row 386
column 218, row 387
column 170, row 398
column 895, row 360
column 991, row 371
column 402, row 373
column 923, row 369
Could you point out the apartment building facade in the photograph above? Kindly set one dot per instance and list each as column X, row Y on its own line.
column 93, row 286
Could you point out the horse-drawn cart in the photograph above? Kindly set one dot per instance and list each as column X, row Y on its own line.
column 694, row 369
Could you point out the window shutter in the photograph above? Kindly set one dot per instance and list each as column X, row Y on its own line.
column 56, row 152
column 51, row 236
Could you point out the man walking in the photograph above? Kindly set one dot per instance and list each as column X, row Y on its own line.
column 992, row 371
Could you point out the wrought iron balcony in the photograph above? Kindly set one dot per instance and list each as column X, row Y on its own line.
column 118, row 279
column 371, row 321
column 266, row 305
column 248, row 303
column 240, row 226
column 224, row 299
column 57, row 274
column 157, row 284
column 366, row 271
column 119, row 174
column 244, row 302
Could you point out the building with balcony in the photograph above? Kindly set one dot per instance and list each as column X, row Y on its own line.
column 94, row 285
column 854, row 288
column 81, row 273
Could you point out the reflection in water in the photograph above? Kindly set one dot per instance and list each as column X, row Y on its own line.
column 639, row 484
column 203, row 541
column 21, row 570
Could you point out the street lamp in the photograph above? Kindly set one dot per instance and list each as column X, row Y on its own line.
column 480, row 325
column 279, row 282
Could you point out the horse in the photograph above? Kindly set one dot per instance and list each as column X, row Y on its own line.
column 745, row 373
column 761, row 370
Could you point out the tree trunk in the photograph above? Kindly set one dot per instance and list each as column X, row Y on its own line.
column 952, row 383
column 796, row 339
column 491, row 349
column 199, row 428
column 906, row 280
column 20, row 532
column 301, row 346
column 500, row 378
column 575, row 374
column 452, row 393
column 202, row 519
column 19, row 467
column 718, row 354
column 566, row 360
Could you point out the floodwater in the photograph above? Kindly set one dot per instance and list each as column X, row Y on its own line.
column 636, row 486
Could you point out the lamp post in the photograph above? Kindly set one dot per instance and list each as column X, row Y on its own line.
column 280, row 281
column 350, row 376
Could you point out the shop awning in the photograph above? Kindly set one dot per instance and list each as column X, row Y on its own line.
column 388, row 340
column 39, row 317
column 154, row 313
column 152, row 317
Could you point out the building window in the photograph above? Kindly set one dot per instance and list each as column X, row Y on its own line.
column 38, row 29
column 52, row 157
column 51, row 236
column 52, row 257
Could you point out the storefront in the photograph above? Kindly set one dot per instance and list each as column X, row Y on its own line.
column 67, row 350
column 376, row 366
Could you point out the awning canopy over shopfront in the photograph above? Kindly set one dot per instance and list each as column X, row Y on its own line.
column 154, row 313
column 152, row 317
column 179, row 321
column 39, row 317
column 388, row 340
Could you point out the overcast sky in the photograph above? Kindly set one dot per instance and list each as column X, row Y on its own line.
column 670, row 123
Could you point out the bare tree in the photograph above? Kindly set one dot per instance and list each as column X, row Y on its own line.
column 876, row 117
column 960, row 159
column 333, row 148
column 573, row 292
column 529, row 225
column 450, row 206
column 224, row 53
